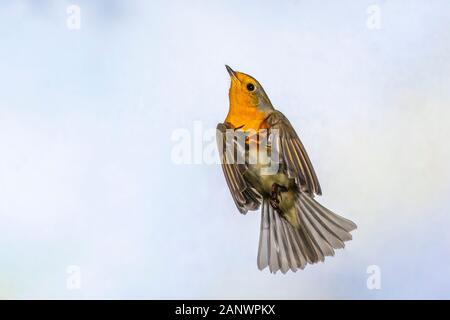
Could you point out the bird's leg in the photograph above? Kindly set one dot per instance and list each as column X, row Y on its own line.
column 275, row 192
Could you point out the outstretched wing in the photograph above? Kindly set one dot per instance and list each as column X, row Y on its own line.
column 293, row 153
column 245, row 197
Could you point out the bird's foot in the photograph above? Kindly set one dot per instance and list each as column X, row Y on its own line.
column 276, row 192
column 275, row 196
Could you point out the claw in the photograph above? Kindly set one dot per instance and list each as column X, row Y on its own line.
column 275, row 205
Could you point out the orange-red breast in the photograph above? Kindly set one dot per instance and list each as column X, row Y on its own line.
column 295, row 228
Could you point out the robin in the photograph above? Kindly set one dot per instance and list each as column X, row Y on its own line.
column 295, row 228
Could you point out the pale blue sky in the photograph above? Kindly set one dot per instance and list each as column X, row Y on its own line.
column 86, row 119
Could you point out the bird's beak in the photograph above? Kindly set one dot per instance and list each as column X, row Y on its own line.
column 232, row 73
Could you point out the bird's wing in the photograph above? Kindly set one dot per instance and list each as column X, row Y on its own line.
column 245, row 197
column 292, row 153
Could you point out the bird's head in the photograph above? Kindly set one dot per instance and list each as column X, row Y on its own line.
column 247, row 92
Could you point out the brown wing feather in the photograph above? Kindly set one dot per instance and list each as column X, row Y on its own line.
column 244, row 196
column 293, row 153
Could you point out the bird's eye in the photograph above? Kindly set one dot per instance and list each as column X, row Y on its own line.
column 250, row 87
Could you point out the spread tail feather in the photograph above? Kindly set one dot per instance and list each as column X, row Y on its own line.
column 283, row 247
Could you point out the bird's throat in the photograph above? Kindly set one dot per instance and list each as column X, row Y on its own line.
column 246, row 117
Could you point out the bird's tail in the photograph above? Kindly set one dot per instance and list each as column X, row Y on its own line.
column 283, row 246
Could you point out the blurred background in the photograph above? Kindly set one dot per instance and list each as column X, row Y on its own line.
column 89, row 104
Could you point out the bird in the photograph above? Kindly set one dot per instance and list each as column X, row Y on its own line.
column 295, row 230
